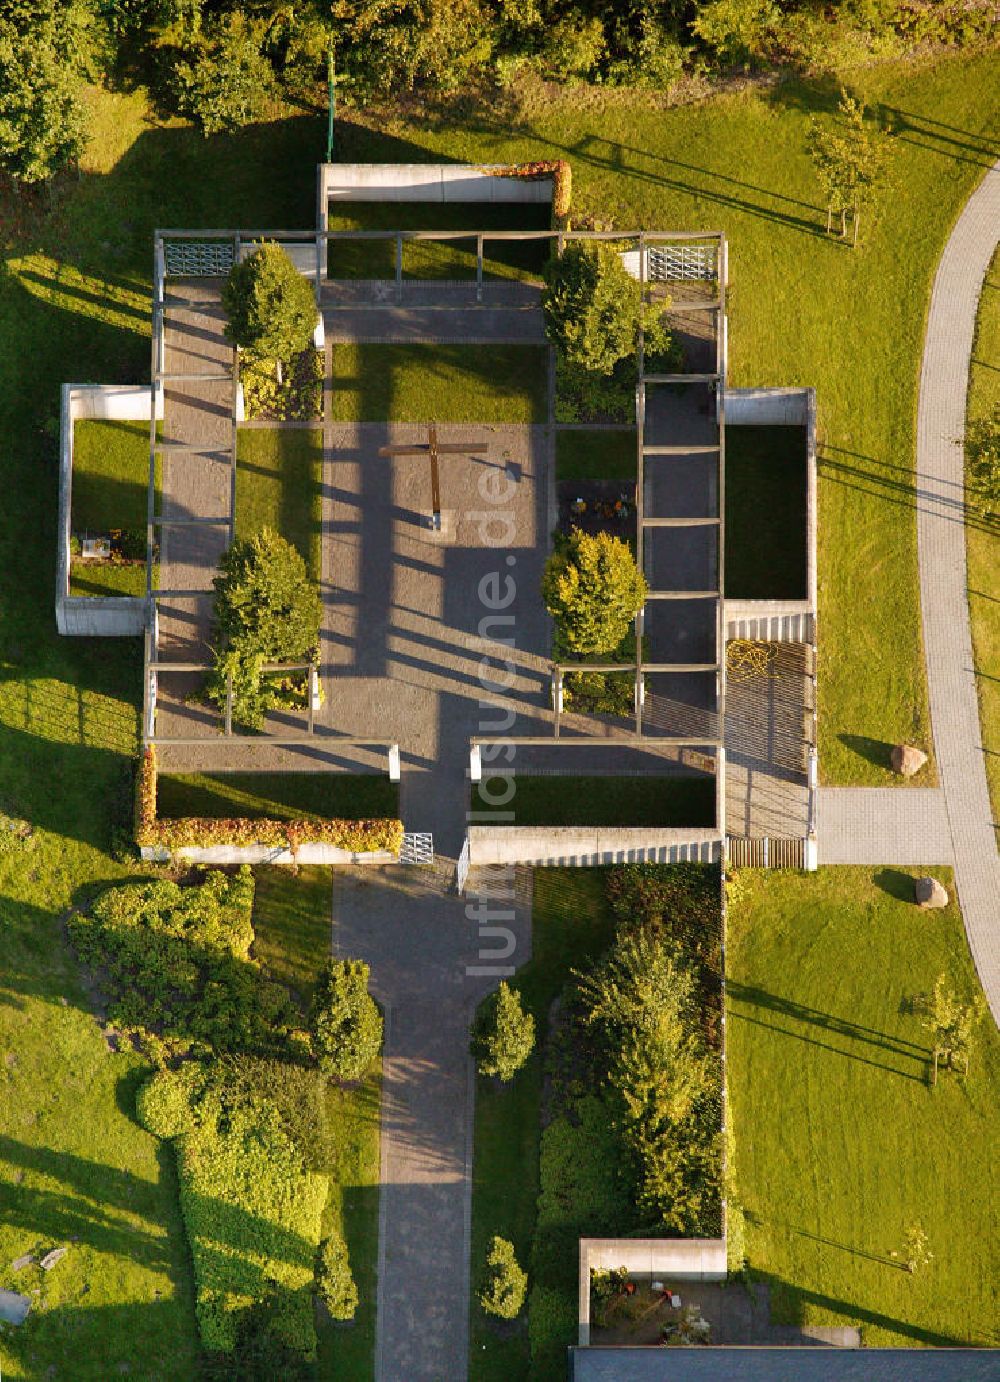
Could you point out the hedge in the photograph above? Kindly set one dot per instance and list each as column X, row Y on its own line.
column 202, row 832
column 561, row 173
column 253, row 1215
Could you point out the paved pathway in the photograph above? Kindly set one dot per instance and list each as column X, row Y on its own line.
column 425, row 952
column 943, row 587
column 883, row 825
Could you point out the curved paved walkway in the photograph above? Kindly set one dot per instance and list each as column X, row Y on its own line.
column 943, row 587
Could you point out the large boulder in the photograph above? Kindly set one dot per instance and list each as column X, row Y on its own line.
column 907, row 759
column 928, row 893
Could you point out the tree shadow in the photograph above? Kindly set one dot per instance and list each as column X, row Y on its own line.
column 792, row 1300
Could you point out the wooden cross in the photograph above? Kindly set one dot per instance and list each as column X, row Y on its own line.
column 434, row 449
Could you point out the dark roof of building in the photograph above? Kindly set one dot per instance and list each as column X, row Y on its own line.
column 811, row 1364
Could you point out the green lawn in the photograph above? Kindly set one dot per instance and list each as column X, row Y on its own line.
column 110, row 475
column 803, row 309
column 766, row 486
column 107, row 578
column 278, row 796
column 654, row 802
column 983, row 539
column 596, row 453
column 439, row 383
column 279, row 485
column 442, row 259
column 841, row 1143
column 571, row 924
column 292, row 925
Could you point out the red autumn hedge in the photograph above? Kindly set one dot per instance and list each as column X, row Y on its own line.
column 202, row 832
column 558, row 169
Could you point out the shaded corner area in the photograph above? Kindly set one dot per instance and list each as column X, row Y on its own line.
column 431, row 963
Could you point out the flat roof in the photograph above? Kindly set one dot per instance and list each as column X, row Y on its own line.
column 806, row 1364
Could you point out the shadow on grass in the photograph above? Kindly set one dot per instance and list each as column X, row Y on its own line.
column 870, row 1037
column 792, row 1301
column 896, row 883
column 875, row 751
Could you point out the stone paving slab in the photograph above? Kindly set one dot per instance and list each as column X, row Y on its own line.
column 883, row 825
column 943, row 581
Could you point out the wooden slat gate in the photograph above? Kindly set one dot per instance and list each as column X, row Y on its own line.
column 767, row 852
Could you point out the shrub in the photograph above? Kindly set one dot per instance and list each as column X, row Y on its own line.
column 573, row 47
column 737, row 30
column 593, row 308
column 344, row 1020
column 504, row 1284
column 270, row 306
column 335, row 1284
column 176, row 963
column 164, row 1103
column 593, row 590
column 982, row 447
column 504, row 1034
column 266, row 610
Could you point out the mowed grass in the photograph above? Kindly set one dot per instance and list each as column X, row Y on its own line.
column 107, row 578
column 983, row 540
column 766, row 485
column 75, row 1168
column 279, row 485
column 597, row 453
column 841, row 1143
column 293, row 937
column 278, row 796
column 448, row 259
column 439, row 383
column 641, row 801
column 803, row 309
column 571, row 925
column 110, row 475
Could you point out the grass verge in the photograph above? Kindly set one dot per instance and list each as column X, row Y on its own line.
column 605, row 453
column 654, row 802
column 983, row 540
column 821, row 970
column 107, row 578
column 439, row 383
column 276, row 796
column 292, row 925
column 766, row 494
column 279, row 485
column 571, row 925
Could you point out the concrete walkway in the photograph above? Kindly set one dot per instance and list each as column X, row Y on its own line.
column 943, row 584
column 883, row 825
column 431, row 964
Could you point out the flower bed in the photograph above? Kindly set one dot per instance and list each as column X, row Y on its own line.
column 298, row 398
column 201, row 832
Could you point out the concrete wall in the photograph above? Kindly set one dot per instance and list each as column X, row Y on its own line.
column 669, row 1259
column 424, row 182
column 771, row 621
column 82, row 615
column 583, row 847
column 767, row 407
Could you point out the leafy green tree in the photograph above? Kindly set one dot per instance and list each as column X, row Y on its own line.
column 335, row 1283
column 594, row 308
column 952, row 1025
column 226, row 81
column 593, row 590
column 982, row 448
column 45, row 50
column 504, row 1035
column 850, row 159
column 344, row 1020
column 504, row 1283
column 738, row 30
column 266, row 610
column 270, row 306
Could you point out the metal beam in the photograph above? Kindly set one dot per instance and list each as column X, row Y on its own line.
column 191, row 522
column 163, row 378
column 680, row 450
column 683, row 595
column 646, row 741
column 681, row 522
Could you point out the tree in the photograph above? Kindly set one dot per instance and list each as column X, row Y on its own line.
column 266, row 610
column 850, row 160
column 951, row 1023
column 916, row 1250
column 594, row 308
column 504, row 1035
column 982, row 447
column 593, row 590
column 344, row 1020
column 227, row 80
column 504, row 1283
column 271, row 307
column 44, row 51
column 738, row 30
column 335, row 1283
